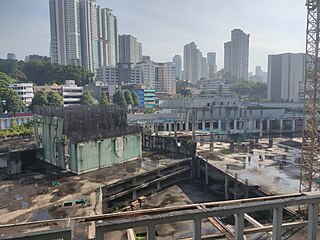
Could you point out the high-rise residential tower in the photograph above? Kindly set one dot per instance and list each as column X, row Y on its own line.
column 89, row 29
column 192, row 62
column 177, row 62
column 211, row 58
column 65, row 45
column 82, row 34
column 211, row 64
column 236, row 59
column 130, row 50
column 286, row 74
column 109, row 38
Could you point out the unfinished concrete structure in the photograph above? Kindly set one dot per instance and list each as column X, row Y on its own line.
column 86, row 138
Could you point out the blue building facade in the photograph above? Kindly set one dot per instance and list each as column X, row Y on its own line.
column 147, row 98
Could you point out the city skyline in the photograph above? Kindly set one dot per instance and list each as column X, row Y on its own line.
column 209, row 29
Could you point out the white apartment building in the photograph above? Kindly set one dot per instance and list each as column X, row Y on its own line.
column 71, row 93
column 236, row 55
column 194, row 65
column 25, row 91
column 65, row 43
column 108, row 75
column 158, row 76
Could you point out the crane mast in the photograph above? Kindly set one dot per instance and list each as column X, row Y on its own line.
column 310, row 156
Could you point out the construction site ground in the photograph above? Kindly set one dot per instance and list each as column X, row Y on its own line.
column 31, row 196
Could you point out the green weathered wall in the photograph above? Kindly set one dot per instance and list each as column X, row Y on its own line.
column 91, row 155
column 48, row 134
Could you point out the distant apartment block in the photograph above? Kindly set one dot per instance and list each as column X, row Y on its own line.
column 193, row 63
column 130, row 50
column 236, row 55
column 158, row 76
column 11, row 56
column 177, row 62
column 123, row 73
column 211, row 64
column 25, row 91
column 286, row 73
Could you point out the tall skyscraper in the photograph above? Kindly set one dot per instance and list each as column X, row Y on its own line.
column 211, row 58
column 212, row 64
column 177, row 62
column 237, row 55
column 192, row 62
column 109, row 38
column 286, row 77
column 130, row 50
column 65, row 45
column 82, row 34
column 89, row 29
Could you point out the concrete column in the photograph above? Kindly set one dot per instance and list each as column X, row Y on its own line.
column 187, row 121
column 236, row 186
column 207, row 174
column 194, row 125
column 246, row 193
column 169, row 128
column 181, row 126
column 313, row 215
column 281, row 125
column 203, row 126
column 277, row 223
column 219, row 119
column 227, row 112
column 239, row 226
column 175, row 126
column 196, row 229
column 268, row 125
column 211, row 129
column 261, row 127
column 226, row 187
column 235, row 124
column 198, row 168
column 134, row 193
column 151, row 233
column 156, row 129
column 293, row 128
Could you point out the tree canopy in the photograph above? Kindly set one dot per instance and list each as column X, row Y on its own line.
column 54, row 98
column 10, row 100
column 6, row 80
column 251, row 91
column 128, row 97
column 135, row 99
column 119, row 99
column 44, row 72
column 182, row 88
column 39, row 99
column 86, row 98
column 104, row 100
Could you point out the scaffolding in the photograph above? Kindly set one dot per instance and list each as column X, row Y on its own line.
column 93, row 122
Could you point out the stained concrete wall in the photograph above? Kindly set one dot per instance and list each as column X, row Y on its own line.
column 168, row 144
column 92, row 155
column 13, row 163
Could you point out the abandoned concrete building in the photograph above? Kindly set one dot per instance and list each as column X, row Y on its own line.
column 86, row 138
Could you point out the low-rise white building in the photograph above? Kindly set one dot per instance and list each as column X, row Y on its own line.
column 25, row 91
column 71, row 93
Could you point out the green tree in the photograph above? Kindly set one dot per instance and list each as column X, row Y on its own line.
column 6, row 80
column 39, row 99
column 248, row 90
column 135, row 99
column 104, row 100
column 182, row 88
column 54, row 98
column 118, row 99
column 128, row 97
column 86, row 98
column 10, row 100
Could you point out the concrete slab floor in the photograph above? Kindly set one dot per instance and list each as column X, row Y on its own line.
column 266, row 173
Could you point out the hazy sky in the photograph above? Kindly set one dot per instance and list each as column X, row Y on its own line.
column 164, row 26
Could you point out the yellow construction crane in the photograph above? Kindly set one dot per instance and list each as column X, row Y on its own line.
column 310, row 159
